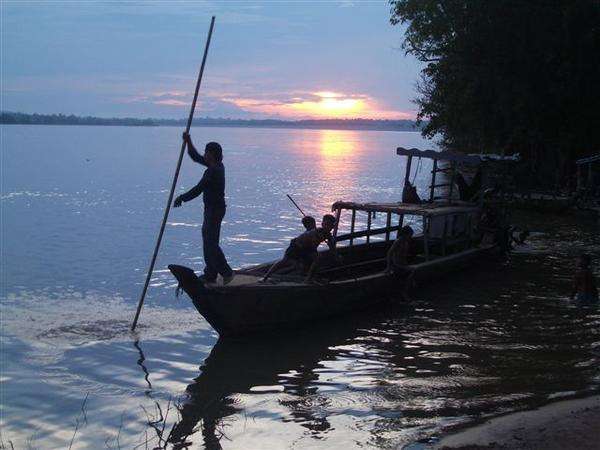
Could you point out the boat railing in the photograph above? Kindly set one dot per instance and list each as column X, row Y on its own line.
column 442, row 230
column 368, row 233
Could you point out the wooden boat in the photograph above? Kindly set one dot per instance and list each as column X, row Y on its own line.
column 448, row 240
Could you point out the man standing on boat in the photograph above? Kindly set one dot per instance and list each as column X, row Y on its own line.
column 212, row 185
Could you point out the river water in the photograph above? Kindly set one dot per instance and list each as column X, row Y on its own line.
column 81, row 207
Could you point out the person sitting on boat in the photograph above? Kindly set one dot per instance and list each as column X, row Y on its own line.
column 584, row 285
column 309, row 223
column 468, row 191
column 399, row 254
column 212, row 185
column 410, row 195
column 303, row 249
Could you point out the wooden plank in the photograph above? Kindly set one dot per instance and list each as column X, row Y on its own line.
column 425, row 238
column 388, row 224
column 338, row 213
column 373, row 232
column 352, row 226
column 351, row 266
column 443, row 156
column 400, row 224
column 432, row 187
column 407, row 173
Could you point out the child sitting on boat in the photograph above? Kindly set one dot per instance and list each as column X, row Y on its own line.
column 584, row 285
column 303, row 249
column 309, row 223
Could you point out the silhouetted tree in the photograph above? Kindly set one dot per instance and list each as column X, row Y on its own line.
column 508, row 75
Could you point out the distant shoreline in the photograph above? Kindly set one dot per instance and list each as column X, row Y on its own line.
column 12, row 118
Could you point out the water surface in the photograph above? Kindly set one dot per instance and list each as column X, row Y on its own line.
column 80, row 210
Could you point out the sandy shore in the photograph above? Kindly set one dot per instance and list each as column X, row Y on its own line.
column 570, row 424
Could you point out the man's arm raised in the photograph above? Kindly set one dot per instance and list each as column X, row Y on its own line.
column 197, row 157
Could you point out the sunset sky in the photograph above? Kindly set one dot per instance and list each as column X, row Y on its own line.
column 288, row 60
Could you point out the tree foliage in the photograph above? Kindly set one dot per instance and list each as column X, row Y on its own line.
column 508, row 75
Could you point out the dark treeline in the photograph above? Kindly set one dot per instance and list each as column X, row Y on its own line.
column 332, row 124
column 62, row 119
column 509, row 75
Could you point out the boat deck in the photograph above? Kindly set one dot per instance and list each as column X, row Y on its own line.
column 244, row 279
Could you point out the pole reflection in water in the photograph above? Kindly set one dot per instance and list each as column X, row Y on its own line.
column 284, row 366
column 140, row 362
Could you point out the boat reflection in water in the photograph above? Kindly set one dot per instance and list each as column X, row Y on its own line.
column 288, row 364
column 402, row 373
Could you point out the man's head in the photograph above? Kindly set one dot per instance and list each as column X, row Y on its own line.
column 213, row 153
column 328, row 222
column 406, row 231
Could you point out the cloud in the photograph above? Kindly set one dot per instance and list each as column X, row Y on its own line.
column 170, row 102
column 278, row 104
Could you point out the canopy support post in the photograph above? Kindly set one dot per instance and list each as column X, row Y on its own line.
column 432, row 187
column 338, row 213
column 388, row 224
column 425, row 240
column 352, row 225
column 407, row 173
column 400, row 224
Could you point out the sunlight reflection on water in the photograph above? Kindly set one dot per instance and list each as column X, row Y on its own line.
column 78, row 236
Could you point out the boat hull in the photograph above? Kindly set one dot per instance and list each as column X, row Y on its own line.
column 233, row 312
column 237, row 311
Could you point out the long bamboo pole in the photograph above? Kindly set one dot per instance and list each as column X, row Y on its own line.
column 295, row 204
column 174, row 184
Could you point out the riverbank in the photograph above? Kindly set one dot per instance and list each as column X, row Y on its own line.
column 561, row 425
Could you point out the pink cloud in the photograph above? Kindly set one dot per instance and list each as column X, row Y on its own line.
column 171, row 102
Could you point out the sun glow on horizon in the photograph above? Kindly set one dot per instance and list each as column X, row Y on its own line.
column 331, row 104
column 316, row 105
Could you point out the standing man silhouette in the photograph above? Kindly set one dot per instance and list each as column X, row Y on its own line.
column 212, row 185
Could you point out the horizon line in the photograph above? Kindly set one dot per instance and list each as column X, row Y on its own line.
column 322, row 119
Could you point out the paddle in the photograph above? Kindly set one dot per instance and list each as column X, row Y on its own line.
column 174, row 184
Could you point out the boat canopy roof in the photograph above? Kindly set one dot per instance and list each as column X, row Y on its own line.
column 497, row 158
column 444, row 156
column 470, row 159
column 589, row 159
column 422, row 209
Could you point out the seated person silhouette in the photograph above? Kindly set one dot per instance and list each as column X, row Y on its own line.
column 409, row 194
column 309, row 223
column 302, row 250
column 399, row 256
